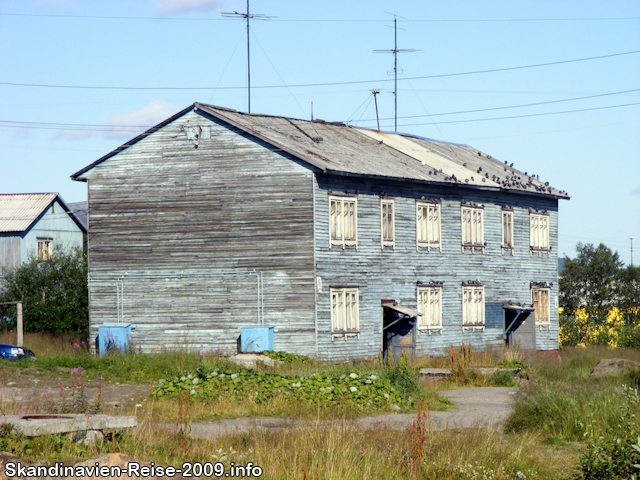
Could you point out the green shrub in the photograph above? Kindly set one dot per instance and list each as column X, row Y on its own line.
column 503, row 379
column 612, row 455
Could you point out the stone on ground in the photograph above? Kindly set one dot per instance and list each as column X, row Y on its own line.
column 613, row 366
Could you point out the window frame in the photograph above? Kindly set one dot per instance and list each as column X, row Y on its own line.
column 425, row 321
column 506, row 245
column 538, row 305
column 339, row 325
column 341, row 240
column 44, row 253
column 539, row 241
column 471, row 291
column 428, row 244
column 473, row 232
column 388, row 202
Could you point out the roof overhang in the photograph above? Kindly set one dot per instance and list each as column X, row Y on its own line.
column 406, row 311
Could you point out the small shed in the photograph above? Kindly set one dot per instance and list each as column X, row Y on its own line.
column 32, row 223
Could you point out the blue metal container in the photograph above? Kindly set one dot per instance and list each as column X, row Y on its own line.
column 256, row 339
column 114, row 336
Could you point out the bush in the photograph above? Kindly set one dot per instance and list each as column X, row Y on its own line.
column 53, row 292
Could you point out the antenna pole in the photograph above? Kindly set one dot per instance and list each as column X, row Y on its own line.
column 375, row 99
column 395, row 52
column 395, row 72
column 248, row 63
column 247, row 16
column 631, row 238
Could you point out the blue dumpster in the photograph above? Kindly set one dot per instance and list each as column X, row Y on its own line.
column 256, row 339
column 114, row 336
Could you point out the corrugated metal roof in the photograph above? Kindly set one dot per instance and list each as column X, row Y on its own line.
column 339, row 148
column 18, row 211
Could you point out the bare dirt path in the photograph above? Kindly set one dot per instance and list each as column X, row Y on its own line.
column 485, row 407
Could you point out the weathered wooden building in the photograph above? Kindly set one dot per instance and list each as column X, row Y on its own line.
column 31, row 224
column 345, row 240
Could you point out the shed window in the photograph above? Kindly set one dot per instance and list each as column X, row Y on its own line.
column 507, row 229
column 428, row 225
column 540, row 301
column 430, row 306
column 344, row 310
column 45, row 247
column 343, row 221
column 472, row 227
column 473, row 306
column 539, row 232
column 388, row 223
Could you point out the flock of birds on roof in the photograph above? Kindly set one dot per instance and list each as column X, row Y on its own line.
column 510, row 180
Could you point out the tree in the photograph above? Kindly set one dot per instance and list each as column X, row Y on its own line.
column 629, row 293
column 590, row 280
column 53, row 292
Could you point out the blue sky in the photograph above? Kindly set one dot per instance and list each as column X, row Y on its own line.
column 168, row 54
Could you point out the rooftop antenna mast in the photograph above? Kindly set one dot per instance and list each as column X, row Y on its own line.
column 375, row 99
column 395, row 52
column 247, row 16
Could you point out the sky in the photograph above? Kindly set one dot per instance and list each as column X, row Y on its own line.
column 552, row 85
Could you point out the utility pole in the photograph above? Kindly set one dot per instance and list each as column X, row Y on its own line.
column 631, row 238
column 375, row 99
column 395, row 52
column 247, row 16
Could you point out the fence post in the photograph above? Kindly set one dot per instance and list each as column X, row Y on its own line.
column 19, row 326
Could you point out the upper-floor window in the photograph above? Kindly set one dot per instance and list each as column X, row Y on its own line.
column 45, row 248
column 540, row 301
column 472, row 227
column 345, row 316
column 387, row 223
column 507, row 229
column 343, row 221
column 428, row 225
column 539, row 232
column 430, row 306
column 472, row 307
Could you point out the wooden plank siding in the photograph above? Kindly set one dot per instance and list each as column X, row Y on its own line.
column 231, row 205
column 394, row 273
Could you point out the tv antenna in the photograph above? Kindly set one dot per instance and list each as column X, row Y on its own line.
column 395, row 52
column 247, row 16
column 375, row 99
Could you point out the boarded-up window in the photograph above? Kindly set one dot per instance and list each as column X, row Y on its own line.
column 507, row 229
column 387, row 219
column 45, row 246
column 473, row 306
column 343, row 224
column 540, row 301
column 428, row 224
column 539, row 231
column 472, row 227
column 344, row 310
column 430, row 306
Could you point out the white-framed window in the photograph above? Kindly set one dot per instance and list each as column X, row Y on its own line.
column 472, row 227
column 345, row 313
column 44, row 248
column 472, row 307
column 428, row 225
column 430, row 306
column 343, row 221
column 507, row 229
column 388, row 223
column 540, row 300
column 539, row 232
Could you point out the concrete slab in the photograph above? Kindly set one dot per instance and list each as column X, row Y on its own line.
column 34, row 425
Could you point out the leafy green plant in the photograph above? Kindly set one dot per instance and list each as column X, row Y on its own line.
column 612, row 456
column 289, row 358
column 503, row 379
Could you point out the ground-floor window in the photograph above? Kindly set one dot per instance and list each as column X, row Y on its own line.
column 430, row 306
column 472, row 306
column 345, row 310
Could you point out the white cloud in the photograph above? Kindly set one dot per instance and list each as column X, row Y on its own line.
column 180, row 6
column 138, row 121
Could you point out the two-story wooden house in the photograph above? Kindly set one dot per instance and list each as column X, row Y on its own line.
column 345, row 240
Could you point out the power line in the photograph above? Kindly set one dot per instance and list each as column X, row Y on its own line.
column 511, row 106
column 325, row 20
column 522, row 116
column 303, row 85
